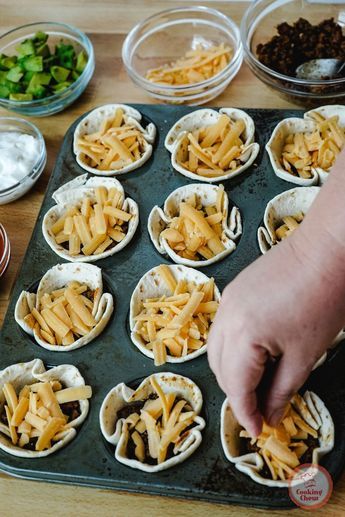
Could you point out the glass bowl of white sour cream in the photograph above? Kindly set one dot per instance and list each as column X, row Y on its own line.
column 23, row 156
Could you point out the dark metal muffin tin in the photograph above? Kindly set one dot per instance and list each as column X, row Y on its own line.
column 112, row 358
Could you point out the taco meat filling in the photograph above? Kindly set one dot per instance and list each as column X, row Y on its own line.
column 285, row 447
column 156, row 426
column 39, row 414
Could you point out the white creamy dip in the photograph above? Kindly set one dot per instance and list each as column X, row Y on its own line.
column 18, row 154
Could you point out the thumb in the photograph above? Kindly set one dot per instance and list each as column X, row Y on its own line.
column 287, row 379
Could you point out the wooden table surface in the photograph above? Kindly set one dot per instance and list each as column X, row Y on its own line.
column 107, row 22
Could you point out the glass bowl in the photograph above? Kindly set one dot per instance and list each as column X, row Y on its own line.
column 167, row 36
column 12, row 124
column 5, row 250
column 259, row 26
column 56, row 32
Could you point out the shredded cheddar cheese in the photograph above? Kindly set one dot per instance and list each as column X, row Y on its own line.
column 35, row 412
column 178, row 324
column 283, row 447
column 194, row 67
column 319, row 148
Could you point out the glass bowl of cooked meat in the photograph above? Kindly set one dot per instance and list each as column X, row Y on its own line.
column 288, row 46
column 183, row 55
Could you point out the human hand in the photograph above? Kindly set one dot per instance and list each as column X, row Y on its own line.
column 288, row 305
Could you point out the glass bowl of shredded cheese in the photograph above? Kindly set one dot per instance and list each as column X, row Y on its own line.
column 22, row 157
column 184, row 55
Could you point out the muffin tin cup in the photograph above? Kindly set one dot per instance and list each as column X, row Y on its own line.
column 111, row 358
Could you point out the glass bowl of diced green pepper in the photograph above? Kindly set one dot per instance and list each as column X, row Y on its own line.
column 44, row 67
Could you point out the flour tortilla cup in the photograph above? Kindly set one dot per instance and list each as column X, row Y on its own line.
column 207, row 117
column 252, row 463
column 152, row 285
column 71, row 194
column 327, row 111
column 296, row 125
column 121, row 395
column 284, row 204
column 31, row 372
column 92, row 123
column 158, row 220
column 56, row 278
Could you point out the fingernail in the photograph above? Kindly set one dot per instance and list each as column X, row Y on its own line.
column 255, row 429
column 275, row 418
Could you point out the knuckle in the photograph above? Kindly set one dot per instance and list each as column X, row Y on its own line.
column 282, row 396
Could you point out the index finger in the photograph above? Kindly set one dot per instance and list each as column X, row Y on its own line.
column 240, row 375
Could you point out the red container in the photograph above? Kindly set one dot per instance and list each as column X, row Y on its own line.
column 5, row 250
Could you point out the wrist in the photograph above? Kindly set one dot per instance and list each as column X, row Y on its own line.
column 319, row 248
column 322, row 260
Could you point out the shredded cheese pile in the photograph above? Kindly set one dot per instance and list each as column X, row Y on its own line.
column 165, row 420
column 178, row 324
column 283, row 447
column 290, row 223
column 64, row 315
column 194, row 67
column 36, row 413
column 196, row 232
column 213, row 150
column 304, row 151
column 94, row 225
column 116, row 145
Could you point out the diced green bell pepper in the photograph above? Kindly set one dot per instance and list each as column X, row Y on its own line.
column 81, row 61
column 66, row 55
column 14, row 87
column 35, row 86
column 8, row 62
column 33, row 63
column 4, row 91
column 40, row 37
column 15, row 74
column 61, row 86
column 3, row 76
column 75, row 75
column 28, row 76
column 20, row 97
column 26, row 48
column 43, row 78
column 43, row 50
column 59, row 73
